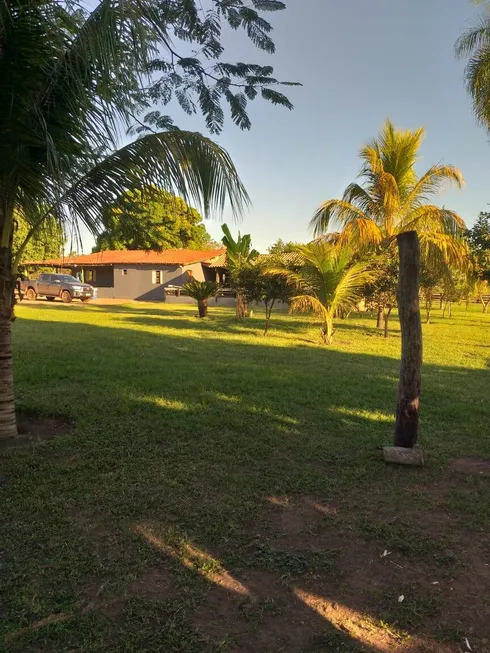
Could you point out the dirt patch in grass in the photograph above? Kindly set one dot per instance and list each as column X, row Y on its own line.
column 33, row 427
column 357, row 570
column 471, row 465
column 154, row 583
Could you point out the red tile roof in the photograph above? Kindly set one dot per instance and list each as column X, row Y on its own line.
column 135, row 257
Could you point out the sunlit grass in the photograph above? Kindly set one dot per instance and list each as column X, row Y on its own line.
column 196, row 441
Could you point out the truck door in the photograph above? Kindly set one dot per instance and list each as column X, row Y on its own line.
column 43, row 283
column 54, row 286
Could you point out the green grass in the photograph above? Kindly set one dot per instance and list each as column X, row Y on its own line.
column 213, row 474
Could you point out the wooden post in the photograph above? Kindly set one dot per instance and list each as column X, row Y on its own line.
column 407, row 410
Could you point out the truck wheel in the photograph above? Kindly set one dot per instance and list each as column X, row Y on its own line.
column 31, row 294
column 66, row 296
column 50, row 299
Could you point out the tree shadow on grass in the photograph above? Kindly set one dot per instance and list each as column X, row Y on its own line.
column 226, row 447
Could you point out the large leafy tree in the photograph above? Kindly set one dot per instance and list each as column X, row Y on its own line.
column 152, row 219
column 391, row 204
column 281, row 246
column 73, row 76
column 263, row 288
column 325, row 281
column 479, row 242
column 47, row 243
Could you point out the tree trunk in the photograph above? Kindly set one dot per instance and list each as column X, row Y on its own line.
column 327, row 332
column 407, row 410
column 379, row 320
column 444, row 309
column 441, row 302
column 428, row 306
column 485, row 306
column 202, row 306
column 386, row 317
column 8, row 427
column 241, row 308
column 268, row 314
column 450, row 314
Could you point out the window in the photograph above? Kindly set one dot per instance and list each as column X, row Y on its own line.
column 90, row 276
column 157, row 277
column 125, row 273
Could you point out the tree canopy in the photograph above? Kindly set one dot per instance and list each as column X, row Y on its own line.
column 203, row 81
column 281, row 246
column 392, row 199
column 152, row 219
column 46, row 243
column 479, row 241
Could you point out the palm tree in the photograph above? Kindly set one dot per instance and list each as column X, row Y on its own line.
column 239, row 256
column 475, row 44
column 392, row 199
column 201, row 291
column 326, row 282
column 392, row 204
column 69, row 84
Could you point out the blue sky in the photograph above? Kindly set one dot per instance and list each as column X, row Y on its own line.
column 359, row 62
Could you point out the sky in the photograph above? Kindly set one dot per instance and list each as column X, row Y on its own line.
column 360, row 61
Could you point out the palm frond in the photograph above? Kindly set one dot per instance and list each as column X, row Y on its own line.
column 362, row 234
column 428, row 218
column 308, row 304
column 473, row 38
column 200, row 290
column 440, row 250
column 358, row 196
column 432, row 183
column 335, row 213
column 186, row 163
column 351, row 285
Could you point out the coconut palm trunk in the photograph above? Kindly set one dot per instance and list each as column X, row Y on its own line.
column 8, row 428
column 328, row 331
column 407, row 410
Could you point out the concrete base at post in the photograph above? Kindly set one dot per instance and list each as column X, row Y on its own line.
column 404, row 456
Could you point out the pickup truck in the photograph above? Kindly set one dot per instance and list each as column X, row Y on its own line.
column 57, row 285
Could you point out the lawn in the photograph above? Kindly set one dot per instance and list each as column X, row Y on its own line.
column 219, row 491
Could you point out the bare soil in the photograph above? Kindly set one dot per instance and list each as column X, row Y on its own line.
column 33, row 428
column 471, row 465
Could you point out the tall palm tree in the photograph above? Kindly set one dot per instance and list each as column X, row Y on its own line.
column 239, row 256
column 69, row 84
column 392, row 199
column 326, row 282
column 474, row 44
column 392, row 203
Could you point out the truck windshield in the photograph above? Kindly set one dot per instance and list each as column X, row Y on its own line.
column 65, row 278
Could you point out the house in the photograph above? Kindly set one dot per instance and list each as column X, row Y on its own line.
column 140, row 274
